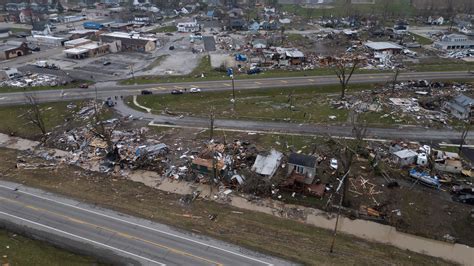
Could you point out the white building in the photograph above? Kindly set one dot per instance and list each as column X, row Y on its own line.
column 454, row 42
column 46, row 40
column 192, row 26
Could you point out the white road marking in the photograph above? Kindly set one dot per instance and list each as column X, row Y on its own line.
column 142, row 226
column 82, row 238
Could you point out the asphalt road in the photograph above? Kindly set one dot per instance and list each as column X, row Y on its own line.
column 114, row 236
column 108, row 89
column 407, row 132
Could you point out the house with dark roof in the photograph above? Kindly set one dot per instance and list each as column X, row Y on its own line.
column 303, row 165
column 461, row 107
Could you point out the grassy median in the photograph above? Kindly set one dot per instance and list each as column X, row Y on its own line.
column 310, row 104
column 265, row 233
column 24, row 251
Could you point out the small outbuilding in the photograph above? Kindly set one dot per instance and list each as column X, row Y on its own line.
column 405, row 157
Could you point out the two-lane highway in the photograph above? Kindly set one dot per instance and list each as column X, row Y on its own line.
column 110, row 88
column 113, row 236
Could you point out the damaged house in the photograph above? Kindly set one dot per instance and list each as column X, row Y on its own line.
column 460, row 107
column 448, row 162
column 290, row 56
column 303, row 165
column 267, row 164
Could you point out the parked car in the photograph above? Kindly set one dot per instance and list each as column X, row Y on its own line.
column 35, row 48
column 110, row 102
column 468, row 199
column 461, row 190
column 194, row 90
column 254, row 71
column 333, row 164
column 146, row 92
column 106, row 63
column 84, row 86
column 176, row 92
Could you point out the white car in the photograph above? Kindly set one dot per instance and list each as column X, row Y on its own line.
column 194, row 90
column 333, row 163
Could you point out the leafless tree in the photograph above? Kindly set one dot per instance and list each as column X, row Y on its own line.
column 465, row 132
column 34, row 114
column 344, row 67
column 99, row 128
column 211, row 126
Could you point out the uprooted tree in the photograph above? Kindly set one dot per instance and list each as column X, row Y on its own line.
column 344, row 67
column 34, row 114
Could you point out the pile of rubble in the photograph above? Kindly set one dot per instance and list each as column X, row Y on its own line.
column 34, row 80
column 417, row 100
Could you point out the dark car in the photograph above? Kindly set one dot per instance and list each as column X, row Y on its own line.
column 106, row 63
column 171, row 48
column 146, row 92
column 254, row 71
column 176, row 92
column 468, row 199
column 35, row 48
column 461, row 190
column 109, row 102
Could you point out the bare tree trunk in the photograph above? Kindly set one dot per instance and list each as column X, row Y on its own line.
column 464, row 134
column 34, row 113
column 344, row 69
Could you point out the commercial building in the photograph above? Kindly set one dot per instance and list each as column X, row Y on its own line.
column 90, row 49
column 76, row 42
column 131, row 42
column 461, row 107
column 454, row 42
column 12, row 49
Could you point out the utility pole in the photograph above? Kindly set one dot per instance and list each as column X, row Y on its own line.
column 233, row 93
column 133, row 74
column 466, row 129
column 342, row 183
column 211, row 137
column 95, row 88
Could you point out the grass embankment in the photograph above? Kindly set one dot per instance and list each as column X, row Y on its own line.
column 15, row 122
column 24, row 251
column 422, row 40
column 210, row 73
column 265, row 233
column 442, row 65
column 304, row 104
column 165, row 29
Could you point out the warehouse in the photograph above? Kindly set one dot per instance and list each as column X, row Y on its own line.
column 46, row 40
